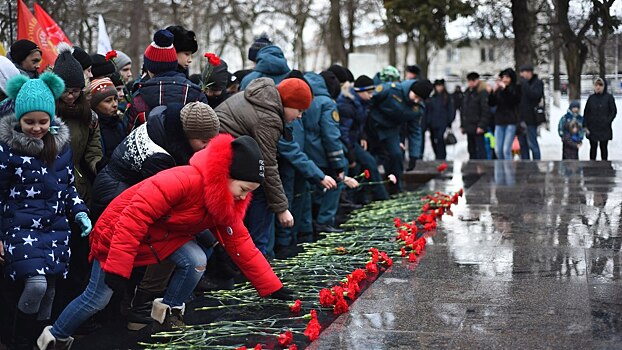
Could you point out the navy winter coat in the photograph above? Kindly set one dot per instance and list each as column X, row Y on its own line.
column 321, row 123
column 163, row 89
column 37, row 201
column 440, row 111
column 271, row 63
column 352, row 117
column 391, row 107
column 152, row 147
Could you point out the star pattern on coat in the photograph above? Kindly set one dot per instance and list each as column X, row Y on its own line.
column 77, row 200
column 14, row 193
column 36, row 223
column 29, row 240
column 27, row 160
column 31, row 192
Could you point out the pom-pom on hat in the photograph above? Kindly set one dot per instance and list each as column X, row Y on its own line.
column 422, row 88
column 199, row 121
column 82, row 57
column 260, row 42
column 68, row 68
column 247, row 163
column 364, row 83
column 183, row 40
column 295, row 93
column 32, row 95
column 160, row 55
column 100, row 90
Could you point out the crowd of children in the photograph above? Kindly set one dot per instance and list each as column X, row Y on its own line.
column 152, row 188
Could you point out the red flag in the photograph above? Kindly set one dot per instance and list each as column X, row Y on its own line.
column 28, row 28
column 55, row 34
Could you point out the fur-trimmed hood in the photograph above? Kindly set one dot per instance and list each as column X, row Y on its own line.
column 213, row 164
column 11, row 135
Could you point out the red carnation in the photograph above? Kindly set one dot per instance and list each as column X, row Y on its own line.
column 338, row 290
column 412, row 257
column 326, row 298
column 389, row 262
column 340, row 307
column 429, row 226
column 403, row 252
column 295, row 307
column 257, row 347
column 212, row 59
column 286, row 338
column 313, row 327
column 374, row 254
column 292, row 347
column 110, row 55
column 358, row 275
column 241, row 348
column 366, row 174
column 442, row 167
column 397, row 222
column 371, row 267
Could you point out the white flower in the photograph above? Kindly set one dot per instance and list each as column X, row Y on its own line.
column 392, row 179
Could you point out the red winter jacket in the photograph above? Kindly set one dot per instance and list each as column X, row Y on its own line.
column 154, row 218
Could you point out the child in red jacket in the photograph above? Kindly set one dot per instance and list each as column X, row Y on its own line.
column 159, row 218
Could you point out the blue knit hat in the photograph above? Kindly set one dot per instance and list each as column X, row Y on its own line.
column 160, row 56
column 32, row 95
column 575, row 104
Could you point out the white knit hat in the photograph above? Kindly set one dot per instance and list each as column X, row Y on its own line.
column 7, row 71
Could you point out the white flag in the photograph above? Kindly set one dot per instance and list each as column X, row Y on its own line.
column 103, row 41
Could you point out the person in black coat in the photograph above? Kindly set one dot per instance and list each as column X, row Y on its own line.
column 532, row 91
column 506, row 98
column 475, row 116
column 600, row 111
column 439, row 116
column 104, row 102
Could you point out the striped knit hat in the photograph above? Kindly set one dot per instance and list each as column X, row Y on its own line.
column 160, row 55
column 100, row 90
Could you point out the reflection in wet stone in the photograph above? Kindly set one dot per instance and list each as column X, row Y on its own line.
column 530, row 259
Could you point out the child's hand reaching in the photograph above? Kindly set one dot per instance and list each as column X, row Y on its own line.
column 579, row 145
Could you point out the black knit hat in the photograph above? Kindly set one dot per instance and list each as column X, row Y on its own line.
column 472, row 76
column 68, row 68
column 260, row 42
column 247, row 163
column 340, row 72
column 219, row 78
column 439, row 82
column 82, row 57
column 414, row 69
column 364, row 83
column 237, row 76
column 101, row 68
column 184, row 40
column 350, row 75
column 21, row 49
column 422, row 88
column 332, row 83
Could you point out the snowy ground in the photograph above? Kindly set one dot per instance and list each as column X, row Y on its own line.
column 550, row 143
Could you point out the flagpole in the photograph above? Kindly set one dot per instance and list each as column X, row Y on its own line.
column 10, row 22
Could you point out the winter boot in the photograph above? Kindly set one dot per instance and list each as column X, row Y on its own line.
column 166, row 317
column 23, row 336
column 47, row 341
column 139, row 315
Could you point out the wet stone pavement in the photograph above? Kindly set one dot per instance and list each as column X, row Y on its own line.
column 530, row 259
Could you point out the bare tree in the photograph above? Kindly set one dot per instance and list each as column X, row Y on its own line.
column 336, row 41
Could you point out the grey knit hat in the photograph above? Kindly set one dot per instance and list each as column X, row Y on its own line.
column 199, row 121
column 68, row 68
column 122, row 60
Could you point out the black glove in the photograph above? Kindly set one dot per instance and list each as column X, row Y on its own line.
column 283, row 294
column 117, row 283
column 412, row 163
